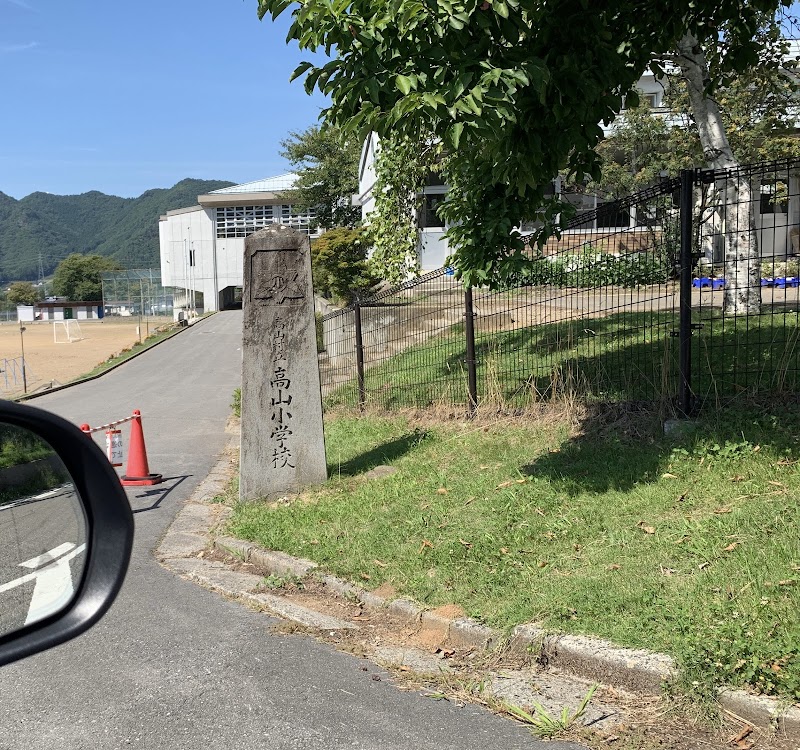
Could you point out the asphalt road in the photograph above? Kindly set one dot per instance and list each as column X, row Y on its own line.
column 174, row 666
column 41, row 555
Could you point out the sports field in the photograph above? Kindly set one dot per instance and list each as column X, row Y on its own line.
column 49, row 362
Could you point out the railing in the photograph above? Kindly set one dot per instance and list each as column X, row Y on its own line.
column 686, row 292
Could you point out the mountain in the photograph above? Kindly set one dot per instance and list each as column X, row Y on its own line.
column 49, row 227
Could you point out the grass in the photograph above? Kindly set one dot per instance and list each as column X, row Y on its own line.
column 623, row 356
column 20, row 446
column 688, row 546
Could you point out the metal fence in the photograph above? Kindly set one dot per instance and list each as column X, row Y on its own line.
column 136, row 292
column 685, row 292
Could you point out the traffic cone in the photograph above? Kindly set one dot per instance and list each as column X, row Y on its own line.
column 138, row 472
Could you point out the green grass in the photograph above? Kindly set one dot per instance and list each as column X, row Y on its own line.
column 20, row 446
column 689, row 547
column 624, row 356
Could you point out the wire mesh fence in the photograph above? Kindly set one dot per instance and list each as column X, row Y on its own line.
column 685, row 292
column 136, row 292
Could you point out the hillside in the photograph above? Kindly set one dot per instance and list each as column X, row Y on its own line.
column 51, row 227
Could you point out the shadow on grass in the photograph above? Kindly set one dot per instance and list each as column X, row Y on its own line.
column 385, row 453
column 621, row 446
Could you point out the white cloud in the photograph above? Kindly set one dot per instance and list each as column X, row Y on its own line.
column 9, row 48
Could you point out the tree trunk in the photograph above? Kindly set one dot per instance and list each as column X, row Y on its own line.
column 742, row 262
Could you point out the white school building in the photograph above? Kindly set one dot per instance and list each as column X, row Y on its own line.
column 202, row 246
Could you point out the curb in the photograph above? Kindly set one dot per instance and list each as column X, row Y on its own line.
column 31, row 396
column 636, row 670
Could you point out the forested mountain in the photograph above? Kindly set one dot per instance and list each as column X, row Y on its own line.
column 50, row 227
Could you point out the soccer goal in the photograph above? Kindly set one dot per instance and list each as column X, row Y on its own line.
column 66, row 331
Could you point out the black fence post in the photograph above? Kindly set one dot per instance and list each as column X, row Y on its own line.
column 362, row 390
column 472, row 374
column 685, row 331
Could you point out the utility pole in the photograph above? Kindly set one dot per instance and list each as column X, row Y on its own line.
column 22, row 346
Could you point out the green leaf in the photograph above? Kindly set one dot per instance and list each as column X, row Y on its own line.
column 300, row 69
column 403, row 84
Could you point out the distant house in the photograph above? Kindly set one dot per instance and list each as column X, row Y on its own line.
column 202, row 246
column 59, row 309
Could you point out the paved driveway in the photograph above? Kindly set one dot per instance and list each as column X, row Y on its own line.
column 174, row 666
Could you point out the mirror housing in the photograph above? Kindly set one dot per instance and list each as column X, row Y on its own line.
column 109, row 534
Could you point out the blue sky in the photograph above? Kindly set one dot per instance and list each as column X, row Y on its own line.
column 124, row 97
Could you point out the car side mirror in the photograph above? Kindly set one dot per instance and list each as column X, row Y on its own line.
column 66, row 531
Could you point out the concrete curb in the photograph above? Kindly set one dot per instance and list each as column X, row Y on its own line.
column 637, row 670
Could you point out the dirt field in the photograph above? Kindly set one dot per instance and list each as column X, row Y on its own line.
column 47, row 361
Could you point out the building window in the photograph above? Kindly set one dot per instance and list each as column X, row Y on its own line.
column 242, row 221
column 774, row 198
column 428, row 216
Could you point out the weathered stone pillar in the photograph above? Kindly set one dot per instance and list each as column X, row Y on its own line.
column 282, row 443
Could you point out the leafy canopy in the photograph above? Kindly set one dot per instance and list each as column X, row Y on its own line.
column 339, row 267
column 78, row 277
column 23, row 293
column 326, row 163
column 514, row 89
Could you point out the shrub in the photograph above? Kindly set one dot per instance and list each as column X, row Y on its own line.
column 589, row 268
column 339, row 266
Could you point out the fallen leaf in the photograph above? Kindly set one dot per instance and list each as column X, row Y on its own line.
column 721, row 511
column 667, row 571
column 543, row 564
column 404, row 668
column 507, row 483
column 757, row 449
column 646, row 529
column 469, row 501
column 669, row 476
column 483, row 467
column 504, row 550
column 683, row 496
column 380, row 564
column 441, row 491
column 425, row 543
column 366, row 576
column 787, row 582
column 737, row 478
column 314, row 541
column 467, row 544
column 731, row 547
column 614, row 566
column 703, row 566
column 778, row 484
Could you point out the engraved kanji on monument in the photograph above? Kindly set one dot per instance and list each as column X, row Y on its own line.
column 282, row 443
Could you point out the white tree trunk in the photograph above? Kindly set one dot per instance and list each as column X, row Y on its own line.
column 742, row 262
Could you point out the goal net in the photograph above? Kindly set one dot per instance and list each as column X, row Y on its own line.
column 66, row 331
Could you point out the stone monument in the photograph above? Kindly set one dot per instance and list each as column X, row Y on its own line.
column 282, row 443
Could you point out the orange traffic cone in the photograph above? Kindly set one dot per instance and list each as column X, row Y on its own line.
column 138, row 472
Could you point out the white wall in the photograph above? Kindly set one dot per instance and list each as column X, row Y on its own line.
column 186, row 244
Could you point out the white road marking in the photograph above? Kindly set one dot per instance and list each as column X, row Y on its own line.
column 54, row 586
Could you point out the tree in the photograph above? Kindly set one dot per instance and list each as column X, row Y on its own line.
column 78, row 277
column 514, row 89
column 401, row 166
column 22, row 293
column 326, row 163
column 749, row 118
column 339, row 267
